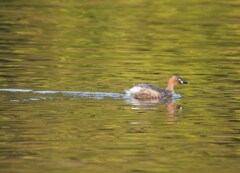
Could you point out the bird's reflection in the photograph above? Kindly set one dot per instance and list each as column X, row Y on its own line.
column 172, row 109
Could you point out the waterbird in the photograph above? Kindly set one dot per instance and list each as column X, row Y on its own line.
column 146, row 91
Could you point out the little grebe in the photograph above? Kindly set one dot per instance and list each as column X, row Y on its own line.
column 147, row 91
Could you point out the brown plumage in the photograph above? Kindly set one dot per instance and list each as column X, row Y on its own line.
column 148, row 91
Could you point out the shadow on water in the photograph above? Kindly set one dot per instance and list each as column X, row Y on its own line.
column 172, row 107
column 137, row 104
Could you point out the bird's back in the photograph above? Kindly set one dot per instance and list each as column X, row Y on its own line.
column 146, row 91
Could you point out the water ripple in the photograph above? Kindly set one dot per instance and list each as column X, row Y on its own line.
column 95, row 95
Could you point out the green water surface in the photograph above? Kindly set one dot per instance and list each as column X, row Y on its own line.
column 106, row 46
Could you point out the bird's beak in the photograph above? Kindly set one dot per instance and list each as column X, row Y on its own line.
column 182, row 81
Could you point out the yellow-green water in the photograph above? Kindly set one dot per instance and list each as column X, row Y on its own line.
column 106, row 46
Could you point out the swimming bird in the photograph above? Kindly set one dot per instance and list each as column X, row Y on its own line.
column 146, row 91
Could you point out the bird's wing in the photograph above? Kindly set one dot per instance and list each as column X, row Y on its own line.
column 152, row 87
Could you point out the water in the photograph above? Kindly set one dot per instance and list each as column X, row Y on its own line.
column 79, row 54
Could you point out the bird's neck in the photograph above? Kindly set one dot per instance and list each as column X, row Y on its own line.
column 170, row 87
